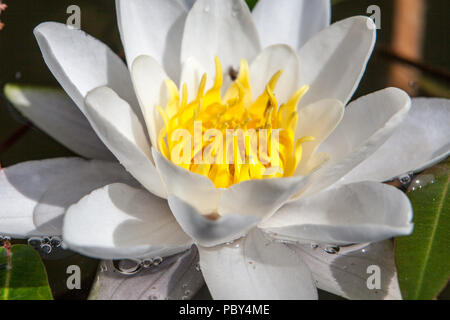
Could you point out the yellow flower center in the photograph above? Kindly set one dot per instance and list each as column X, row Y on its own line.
column 236, row 138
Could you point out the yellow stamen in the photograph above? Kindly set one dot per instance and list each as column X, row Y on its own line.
column 248, row 154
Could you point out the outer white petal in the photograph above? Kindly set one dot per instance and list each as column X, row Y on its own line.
column 270, row 61
column 317, row 120
column 422, row 140
column 81, row 63
column 368, row 122
column 334, row 60
column 195, row 189
column 149, row 82
column 175, row 278
column 292, row 22
column 121, row 131
column 353, row 213
column 346, row 273
column 220, row 28
column 208, row 232
column 260, row 198
column 118, row 222
column 53, row 112
column 154, row 28
column 34, row 195
column 255, row 268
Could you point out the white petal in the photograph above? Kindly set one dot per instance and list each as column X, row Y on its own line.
column 317, row 120
column 121, row 131
column 423, row 139
column 261, row 197
column 52, row 111
column 81, row 63
column 334, row 60
column 292, row 22
column 34, row 195
column 195, row 189
column 353, row 213
column 119, row 222
column 256, row 268
column 219, row 28
column 176, row 278
column 270, row 61
column 149, row 82
column 346, row 273
column 154, row 28
column 208, row 232
column 368, row 122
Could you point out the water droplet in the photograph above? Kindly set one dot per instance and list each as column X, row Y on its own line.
column 421, row 181
column 127, row 267
column 332, row 249
column 18, row 75
column 314, row 245
column 35, row 242
column 207, row 9
column 55, row 242
column 157, row 261
column 46, row 239
column 4, row 239
column 187, row 292
column 147, row 263
column 184, row 286
column 46, row 248
column 197, row 267
column 405, row 179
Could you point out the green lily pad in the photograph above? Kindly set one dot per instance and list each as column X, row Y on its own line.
column 22, row 274
column 423, row 259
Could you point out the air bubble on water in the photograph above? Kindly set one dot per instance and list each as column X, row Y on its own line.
column 157, row 261
column 332, row 249
column 55, row 242
column 147, row 263
column 34, row 242
column 187, row 292
column 405, row 179
column 46, row 248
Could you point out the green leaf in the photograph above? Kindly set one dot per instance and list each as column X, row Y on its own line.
column 22, row 274
column 423, row 259
column 251, row 3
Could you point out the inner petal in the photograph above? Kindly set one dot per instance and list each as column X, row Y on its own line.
column 234, row 137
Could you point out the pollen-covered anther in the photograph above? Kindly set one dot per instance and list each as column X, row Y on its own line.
column 232, row 138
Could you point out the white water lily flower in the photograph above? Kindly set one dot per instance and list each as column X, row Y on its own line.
column 332, row 196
